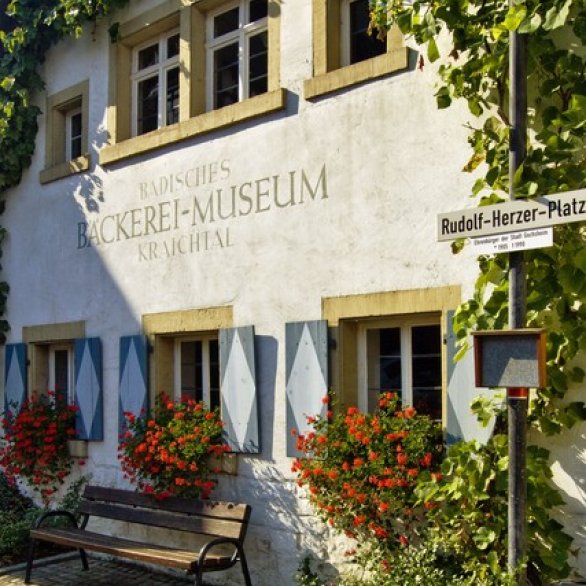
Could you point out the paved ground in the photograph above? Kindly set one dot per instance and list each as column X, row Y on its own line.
column 68, row 572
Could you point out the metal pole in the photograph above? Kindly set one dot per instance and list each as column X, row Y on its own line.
column 517, row 398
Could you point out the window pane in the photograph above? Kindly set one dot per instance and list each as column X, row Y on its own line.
column 172, row 46
column 75, row 134
column 428, row 402
column 172, row 109
column 148, row 105
column 62, row 374
column 390, row 359
column 226, row 76
column 427, row 370
column 214, row 375
column 226, row 22
column 191, row 370
column 362, row 45
column 258, row 66
column 148, row 56
column 258, row 10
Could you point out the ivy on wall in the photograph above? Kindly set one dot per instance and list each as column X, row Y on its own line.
column 469, row 42
column 30, row 29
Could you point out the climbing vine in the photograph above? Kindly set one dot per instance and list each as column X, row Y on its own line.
column 33, row 27
column 468, row 42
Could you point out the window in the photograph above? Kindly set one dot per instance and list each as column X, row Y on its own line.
column 404, row 356
column 155, row 83
column 344, row 54
column 393, row 340
column 197, row 369
column 237, row 53
column 220, row 66
column 357, row 44
column 66, row 139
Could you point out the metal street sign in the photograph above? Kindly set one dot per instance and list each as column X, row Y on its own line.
column 513, row 216
column 513, row 241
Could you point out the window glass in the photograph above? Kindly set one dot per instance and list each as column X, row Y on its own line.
column 172, row 46
column 258, row 10
column 191, row 370
column 172, row 109
column 148, row 105
column 226, row 22
column 427, row 370
column 258, row 66
column 74, row 134
column 226, row 68
column 148, row 56
column 362, row 45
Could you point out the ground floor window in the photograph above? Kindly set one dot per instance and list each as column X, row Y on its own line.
column 61, row 371
column 197, row 369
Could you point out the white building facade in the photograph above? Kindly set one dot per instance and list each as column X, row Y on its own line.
column 237, row 200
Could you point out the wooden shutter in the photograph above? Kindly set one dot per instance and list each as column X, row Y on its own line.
column 461, row 423
column 306, row 363
column 238, row 390
column 15, row 377
column 133, row 382
column 87, row 362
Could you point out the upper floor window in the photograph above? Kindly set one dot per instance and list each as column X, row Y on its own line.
column 155, row 83
column 357, row 44
column 237, row 48
column 344, row 53
column 66, row 139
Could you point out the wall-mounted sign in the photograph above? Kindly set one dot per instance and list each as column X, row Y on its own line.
column 510, row 358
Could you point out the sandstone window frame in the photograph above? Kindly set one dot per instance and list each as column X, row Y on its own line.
column 329, row 72
column 62, row 159
column 194, row 118
column 346, row 315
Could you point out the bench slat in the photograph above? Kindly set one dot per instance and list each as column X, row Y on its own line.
column 147, row 552
column 214, row 509
column 168, row 520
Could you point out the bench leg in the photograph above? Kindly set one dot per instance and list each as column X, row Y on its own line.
column 29, row 561
column 245, row 571
column 83, row 557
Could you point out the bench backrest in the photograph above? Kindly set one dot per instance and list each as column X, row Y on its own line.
column 206, row 517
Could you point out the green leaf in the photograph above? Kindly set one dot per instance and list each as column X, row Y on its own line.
column 555, row 17
column 432, row 50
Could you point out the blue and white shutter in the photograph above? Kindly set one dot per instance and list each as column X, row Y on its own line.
column 306, row 363
column 133, row 382
column 15, row 377
column 461, row 422
column 87, row 361
column 238, row 390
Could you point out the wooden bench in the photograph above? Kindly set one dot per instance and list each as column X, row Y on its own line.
column 221, row 528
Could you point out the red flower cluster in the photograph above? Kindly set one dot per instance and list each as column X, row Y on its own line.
column 170, row 453
column 35, row 446
column 361, row 469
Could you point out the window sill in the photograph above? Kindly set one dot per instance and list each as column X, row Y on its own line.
column 201, row 124
column 338, row 79
column 66, row 169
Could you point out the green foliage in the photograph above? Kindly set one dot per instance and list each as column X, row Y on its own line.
column 37, row 27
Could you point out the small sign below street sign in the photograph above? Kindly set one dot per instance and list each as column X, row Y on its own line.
column 513, row 216
column 513, row 241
